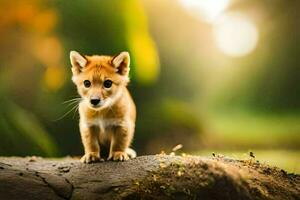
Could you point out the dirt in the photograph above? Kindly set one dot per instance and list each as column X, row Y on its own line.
column 220, row 178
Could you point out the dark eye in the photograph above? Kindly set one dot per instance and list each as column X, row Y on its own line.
column 107, row 83
column 87, row 83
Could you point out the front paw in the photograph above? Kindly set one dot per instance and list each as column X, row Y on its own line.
column 90, row 157
column 119, row 156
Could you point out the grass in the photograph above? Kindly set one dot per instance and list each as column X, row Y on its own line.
column 256, row 130
column 288, row 160
column 273, row 138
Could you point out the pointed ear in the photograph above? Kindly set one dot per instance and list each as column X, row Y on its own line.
column 78, row 61
column 121, row 62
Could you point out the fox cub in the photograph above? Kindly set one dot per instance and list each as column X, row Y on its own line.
column 107, row 111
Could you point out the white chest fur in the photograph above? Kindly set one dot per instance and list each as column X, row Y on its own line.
column 103, row 123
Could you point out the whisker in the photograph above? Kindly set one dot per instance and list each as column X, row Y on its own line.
column 75, row 111
column 72, row 100
column 64, row 115
column 72, row 103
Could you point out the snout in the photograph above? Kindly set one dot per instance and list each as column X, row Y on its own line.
column 95, row 101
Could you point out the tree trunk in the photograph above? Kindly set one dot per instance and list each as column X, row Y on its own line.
column 145, row 177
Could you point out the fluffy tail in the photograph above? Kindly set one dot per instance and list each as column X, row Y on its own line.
column 131, row 153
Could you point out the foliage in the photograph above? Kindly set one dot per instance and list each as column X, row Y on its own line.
column 22, row 133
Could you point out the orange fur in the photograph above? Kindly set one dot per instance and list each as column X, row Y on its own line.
column 112, row 121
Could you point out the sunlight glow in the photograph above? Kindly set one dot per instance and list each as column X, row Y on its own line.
column 208, row 10
column 235, row 35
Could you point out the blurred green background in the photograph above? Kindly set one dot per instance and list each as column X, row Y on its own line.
column 217, row 76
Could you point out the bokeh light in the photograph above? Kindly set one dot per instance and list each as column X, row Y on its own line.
column 208, row 10
column 235, row 35
column 48, row 50
column 54, row 77
column 141, row 46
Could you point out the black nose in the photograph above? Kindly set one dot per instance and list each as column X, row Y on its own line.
column 95, row 101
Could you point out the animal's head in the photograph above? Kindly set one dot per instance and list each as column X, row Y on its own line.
column 100, row 79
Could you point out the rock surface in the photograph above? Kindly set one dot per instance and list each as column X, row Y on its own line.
column 145, row 177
